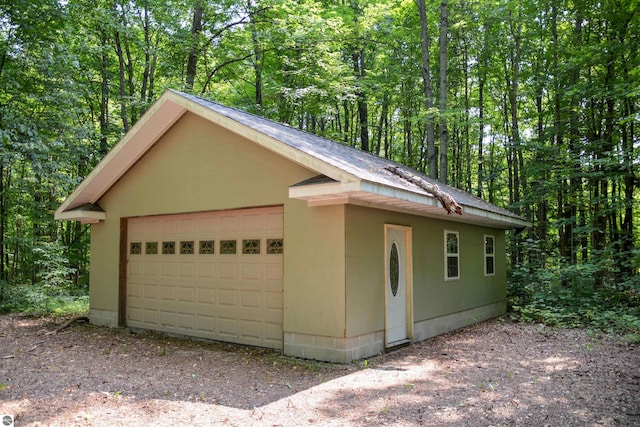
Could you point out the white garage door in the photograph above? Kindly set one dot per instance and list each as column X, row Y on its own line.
column 214, row 275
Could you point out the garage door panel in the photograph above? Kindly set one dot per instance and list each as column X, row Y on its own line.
column 136, row 269
column 228, row 270
column 229, row 225
column 207, row 225
column 150, row 291
column 228, row 326
column 228, row 297
column 150, row 317
column 252, row 223
column 185, row 321
column 168, row 293
column 273, row 271
column 251, row 329
column 273, row 331
column 167, row 269
column 186, row 294
column 251, row 271
column 273, row 301
column 206, row 270
column 167, row 227
column 251, row 299
column 193, row 287
column 206, row 296
column 151, row 226
column 166, row 318
column 205, row 323
column 274, row 224
column 150, row 269
column 134, row 315
column 186, row 270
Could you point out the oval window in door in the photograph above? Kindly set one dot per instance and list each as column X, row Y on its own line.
column 394, row 269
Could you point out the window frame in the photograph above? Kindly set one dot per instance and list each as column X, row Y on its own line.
column 448, row 255
column 487, row 255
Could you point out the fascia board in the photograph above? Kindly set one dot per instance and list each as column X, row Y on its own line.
column 323, row 190
column 426, row 200
column 153, row 124
column 341, row 193
column 81, row 215
column 505, row 220
column 133, row 145
column 398, row 193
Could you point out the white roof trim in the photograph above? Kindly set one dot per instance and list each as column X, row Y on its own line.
column 83, row 215
column 358, row 179
column 147, row 130
column 394, row 199
column 158, row 119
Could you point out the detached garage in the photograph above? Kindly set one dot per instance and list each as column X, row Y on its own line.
column 214, row 223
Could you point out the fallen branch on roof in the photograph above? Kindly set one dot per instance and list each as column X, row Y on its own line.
column 449, row 204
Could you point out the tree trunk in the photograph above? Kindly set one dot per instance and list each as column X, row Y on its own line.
column 482, row 78
column 194, row 48
column 363, row 108
column 257, row 56
column 3, row 223
column 121, row 74
column 104, row 97
column 147, row 52
column 425, row 41
column 443, row 42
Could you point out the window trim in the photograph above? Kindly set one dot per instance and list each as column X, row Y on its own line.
column 447, row 255
column 487, row 255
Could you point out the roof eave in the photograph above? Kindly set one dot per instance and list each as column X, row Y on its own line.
column 156, row 121
column 364, row 193
column 134, row 144
column 82, row 215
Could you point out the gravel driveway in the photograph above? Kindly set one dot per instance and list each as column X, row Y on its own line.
column 493, row 373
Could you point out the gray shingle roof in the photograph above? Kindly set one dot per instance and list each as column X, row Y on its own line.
column 365, row 166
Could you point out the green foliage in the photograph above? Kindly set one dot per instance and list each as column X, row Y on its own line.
column 55, row 291
column 567, row 296
column 542, row 117
column 54, row 274
column 39, row 300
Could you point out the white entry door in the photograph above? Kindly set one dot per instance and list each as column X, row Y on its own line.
column 398, row 284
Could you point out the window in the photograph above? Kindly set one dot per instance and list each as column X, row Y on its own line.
column 227, row 247
column 452, row 255
column 135, row 248
column 251, row 246
column 186, row 247
column 151, row 248
column 275, row 246
column 168, row 248
column 206, row 247
column 489, row 256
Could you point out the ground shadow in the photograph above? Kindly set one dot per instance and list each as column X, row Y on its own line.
column 488, row 374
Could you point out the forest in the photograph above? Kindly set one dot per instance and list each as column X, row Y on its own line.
column 532, row 105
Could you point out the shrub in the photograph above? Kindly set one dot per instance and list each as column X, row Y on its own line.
column 567, row 296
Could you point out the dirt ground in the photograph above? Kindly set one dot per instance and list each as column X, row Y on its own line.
column 490, row 374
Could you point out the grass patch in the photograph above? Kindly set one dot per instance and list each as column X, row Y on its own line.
column 43, row 301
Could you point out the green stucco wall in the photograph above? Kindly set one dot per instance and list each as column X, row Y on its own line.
column 433, row 296
column 198, row 166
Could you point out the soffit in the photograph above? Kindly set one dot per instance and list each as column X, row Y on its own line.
column 377, row 196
